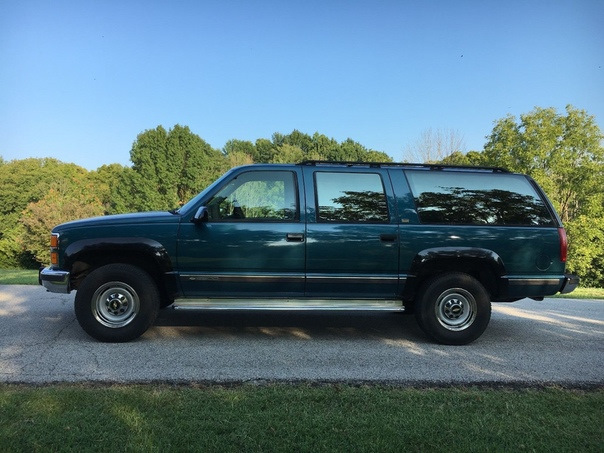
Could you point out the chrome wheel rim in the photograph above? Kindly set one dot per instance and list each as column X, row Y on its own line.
column 456, row 309
column 115, row 304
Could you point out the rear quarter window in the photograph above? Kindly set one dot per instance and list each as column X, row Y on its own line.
column 466, row 198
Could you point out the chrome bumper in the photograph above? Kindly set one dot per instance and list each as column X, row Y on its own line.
column 570, row 283
column 54, row 281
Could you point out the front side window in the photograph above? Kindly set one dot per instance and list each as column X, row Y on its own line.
column 256, row 196
column 351, row 198
column 477, row 199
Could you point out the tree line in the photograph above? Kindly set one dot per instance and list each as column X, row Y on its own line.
column 563, row 152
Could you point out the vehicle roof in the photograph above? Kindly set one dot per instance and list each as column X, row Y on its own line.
column 408, row 166
column 411, row 166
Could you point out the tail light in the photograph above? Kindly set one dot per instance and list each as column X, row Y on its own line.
column 563, row 244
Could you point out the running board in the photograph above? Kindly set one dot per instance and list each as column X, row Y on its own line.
column 289, row 304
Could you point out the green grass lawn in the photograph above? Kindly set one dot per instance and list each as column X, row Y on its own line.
column 301, row 418
column 18, row 277
column 583, row 293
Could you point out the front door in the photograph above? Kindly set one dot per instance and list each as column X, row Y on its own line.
column 252, row 243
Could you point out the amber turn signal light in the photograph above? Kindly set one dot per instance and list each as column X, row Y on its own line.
column 54, row 240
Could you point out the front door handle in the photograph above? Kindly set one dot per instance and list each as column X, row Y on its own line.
column 388, row 237
column 295, row 237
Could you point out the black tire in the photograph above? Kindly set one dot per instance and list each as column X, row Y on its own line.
column 116, row 303
column 453, row 308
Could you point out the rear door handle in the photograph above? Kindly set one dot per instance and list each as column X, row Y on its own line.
column 295, row 237
column 388, row 237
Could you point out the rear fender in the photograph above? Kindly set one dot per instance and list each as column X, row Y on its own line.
column 485, row 265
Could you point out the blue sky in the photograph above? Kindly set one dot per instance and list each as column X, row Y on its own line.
column 79, row 80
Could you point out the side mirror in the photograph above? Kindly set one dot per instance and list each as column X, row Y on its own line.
column 201, row 215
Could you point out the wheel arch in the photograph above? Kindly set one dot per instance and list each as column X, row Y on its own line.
column 484, row 265
column 83, row 256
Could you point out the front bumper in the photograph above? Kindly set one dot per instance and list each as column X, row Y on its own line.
column 54, row 280
column 570, row 283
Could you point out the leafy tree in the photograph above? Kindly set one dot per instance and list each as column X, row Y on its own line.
column 298, row 146
column 12, row 249
column 26, row 180
column 239, row 146
column 23, row 182
column 586, row 255
column 152, row 185
column 288, row 154
column 349, row 150
column 320, row 147
column 323, row 145
column 107, row 183
column 375, row 156
column 169, row 167
column 471, row 158
column 237, row 158
column 299, row 140
column 265, row 151
column 66, row 200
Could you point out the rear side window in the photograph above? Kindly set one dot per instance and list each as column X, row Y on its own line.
column 466, row 198
column 351, row 198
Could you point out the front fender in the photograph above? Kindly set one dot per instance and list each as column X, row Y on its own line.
column 119, row 245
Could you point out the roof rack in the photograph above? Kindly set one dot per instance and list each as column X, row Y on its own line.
column 436, row 167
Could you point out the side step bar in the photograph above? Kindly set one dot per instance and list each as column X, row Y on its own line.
column 289, row 304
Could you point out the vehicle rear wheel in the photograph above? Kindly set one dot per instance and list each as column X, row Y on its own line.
column 453, row 308
column 116, row 303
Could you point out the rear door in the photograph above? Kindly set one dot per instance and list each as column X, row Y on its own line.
column 352, row 233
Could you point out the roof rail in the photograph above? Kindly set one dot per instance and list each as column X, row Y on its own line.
column 411, row 166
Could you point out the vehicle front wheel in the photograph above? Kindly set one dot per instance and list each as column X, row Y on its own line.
column 453, row 308
column 116, row 303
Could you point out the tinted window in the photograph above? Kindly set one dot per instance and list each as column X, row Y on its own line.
column 256, row 195
column 477, row 199
column 351, row 197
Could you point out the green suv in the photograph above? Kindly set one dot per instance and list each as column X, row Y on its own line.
column 441, row 242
